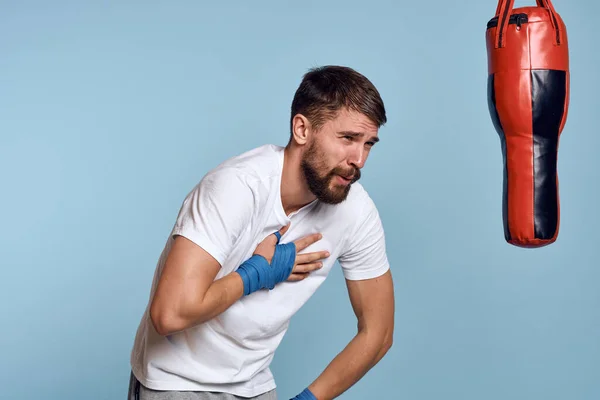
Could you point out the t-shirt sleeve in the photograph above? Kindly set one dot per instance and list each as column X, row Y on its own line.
column 216, row 212
column 365, row 254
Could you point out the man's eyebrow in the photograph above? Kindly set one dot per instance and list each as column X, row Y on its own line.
column 358, row 134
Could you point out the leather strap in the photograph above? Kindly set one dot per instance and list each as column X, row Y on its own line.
column 553, row 19
column 504, row 10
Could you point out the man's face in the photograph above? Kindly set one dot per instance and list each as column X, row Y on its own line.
column 335, row 155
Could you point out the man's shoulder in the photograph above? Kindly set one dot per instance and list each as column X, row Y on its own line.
column 354, row 210
column 255, row 167
column 358, row 200
column 359, row 207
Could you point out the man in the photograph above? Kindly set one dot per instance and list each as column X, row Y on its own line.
column 254, row 240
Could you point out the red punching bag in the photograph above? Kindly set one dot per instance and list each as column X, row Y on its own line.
column 528, row 99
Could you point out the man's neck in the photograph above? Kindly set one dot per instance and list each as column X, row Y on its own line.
column 294, row 190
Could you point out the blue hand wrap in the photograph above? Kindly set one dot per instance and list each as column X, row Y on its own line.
column 305, row 395
column 257, row 274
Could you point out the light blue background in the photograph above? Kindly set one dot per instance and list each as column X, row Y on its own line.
column 111, row 111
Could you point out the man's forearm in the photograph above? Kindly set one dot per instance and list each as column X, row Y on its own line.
column 221, row 295
column 351, row 364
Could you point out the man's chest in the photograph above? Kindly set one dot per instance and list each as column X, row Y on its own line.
column 333, row 228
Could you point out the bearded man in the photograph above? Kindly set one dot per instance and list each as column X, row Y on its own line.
column 253, row 241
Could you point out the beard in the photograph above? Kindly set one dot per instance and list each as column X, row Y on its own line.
column 321, row 182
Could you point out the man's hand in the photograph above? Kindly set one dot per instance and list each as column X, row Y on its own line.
column 304, row 263
column 273, row 263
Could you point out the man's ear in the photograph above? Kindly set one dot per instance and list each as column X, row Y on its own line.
column 300, row 129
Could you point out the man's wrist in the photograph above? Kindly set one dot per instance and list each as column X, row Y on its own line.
column 245, row 280
column 305, row 395
column 250, row 271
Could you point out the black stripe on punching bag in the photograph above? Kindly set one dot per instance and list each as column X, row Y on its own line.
column 491, row 93
column 548, row 93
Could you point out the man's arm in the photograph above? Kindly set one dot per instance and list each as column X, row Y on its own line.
column 187, row 294
column 373, row 304
column 213, row 213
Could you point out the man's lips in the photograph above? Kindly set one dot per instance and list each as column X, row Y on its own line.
column 346, row 179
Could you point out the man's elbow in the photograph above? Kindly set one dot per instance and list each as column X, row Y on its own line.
column 387, row 342
column 383, row 343
column 379, row 341
column 164, row 321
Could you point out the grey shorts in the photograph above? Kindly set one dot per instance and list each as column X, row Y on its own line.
column 137, row 391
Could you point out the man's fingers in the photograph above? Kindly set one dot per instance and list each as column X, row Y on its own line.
column 301, row 271
column 283, row 230
column 276, row 236
column 304, row 268
column 306, row 241
column 310, row 257
column 297, row 277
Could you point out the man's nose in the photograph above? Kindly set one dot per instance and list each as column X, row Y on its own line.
column 358, row 157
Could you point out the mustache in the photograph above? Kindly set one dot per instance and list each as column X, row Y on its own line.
column 353, row 173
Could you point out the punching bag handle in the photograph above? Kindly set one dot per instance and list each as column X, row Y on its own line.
column 548, row 4
column 504, row 10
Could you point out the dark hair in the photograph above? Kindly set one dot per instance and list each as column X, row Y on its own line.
column 325, row 90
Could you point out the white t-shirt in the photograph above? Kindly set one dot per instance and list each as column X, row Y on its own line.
column 233, row 208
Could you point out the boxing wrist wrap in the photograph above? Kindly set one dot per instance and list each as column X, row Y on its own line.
column 257, row 273
column 305, row 395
